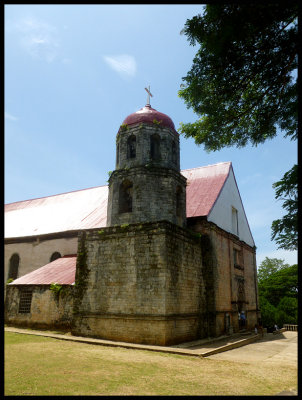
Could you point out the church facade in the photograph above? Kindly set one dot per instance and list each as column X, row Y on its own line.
column 159, row 256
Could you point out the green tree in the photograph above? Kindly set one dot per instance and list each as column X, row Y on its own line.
column 242, row 83
column 287, row 311
column 285, row 230
column 278, row 291
column 282, row 283
column 268, row 267
column 268, row 312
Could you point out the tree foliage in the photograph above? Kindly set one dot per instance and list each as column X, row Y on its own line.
column 268, row 267
column 285, row 230
column 242, row 83
column 278, row 292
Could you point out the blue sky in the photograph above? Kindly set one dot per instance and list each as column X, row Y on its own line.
column 73, row 73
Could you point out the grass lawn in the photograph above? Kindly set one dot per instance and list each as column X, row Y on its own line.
column 36, row 365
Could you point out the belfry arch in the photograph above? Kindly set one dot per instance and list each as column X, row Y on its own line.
column 125, row 196
column 131, row 146
column 155, row 147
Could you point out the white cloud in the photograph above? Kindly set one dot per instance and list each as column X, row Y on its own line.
column 10, row 117
column 37, row 38
column 124, row 64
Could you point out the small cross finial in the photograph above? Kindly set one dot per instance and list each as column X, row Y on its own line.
column 148, row 96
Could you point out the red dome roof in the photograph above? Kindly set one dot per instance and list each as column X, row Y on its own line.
column 148, row 114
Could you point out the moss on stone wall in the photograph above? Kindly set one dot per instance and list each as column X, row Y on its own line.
column 209, row 272
column 82, row 272
column 143, row 285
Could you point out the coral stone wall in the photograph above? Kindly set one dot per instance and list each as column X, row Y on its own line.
column 147, row 184
column 168, row 147
column 143, row 284
column 154, row 196
column 234, row 283
column 47, row 310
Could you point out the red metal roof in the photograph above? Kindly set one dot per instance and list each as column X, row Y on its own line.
column 87, row 208
column 203, row 187
column 61, row 271
column 148, row 114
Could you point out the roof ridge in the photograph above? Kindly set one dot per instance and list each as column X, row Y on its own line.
column 53, row 195
column 206, row 166
column 95, row 187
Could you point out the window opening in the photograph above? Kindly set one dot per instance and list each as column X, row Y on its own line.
column 14, row 266
column 25, row 301
column 235, row 221
column 155, row 147
column 131, row 147
column 240, row 289
column 237, row 256
column 125, row 197
column 55, row 256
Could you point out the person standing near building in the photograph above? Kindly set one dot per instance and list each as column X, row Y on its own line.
column 242, row 319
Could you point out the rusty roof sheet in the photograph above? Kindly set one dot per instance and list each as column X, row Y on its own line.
column 61, row 271
column 203, row 187
column 87, row 208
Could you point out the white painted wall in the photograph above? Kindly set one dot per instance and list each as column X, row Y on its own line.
column 221, row 213
column 34, row 255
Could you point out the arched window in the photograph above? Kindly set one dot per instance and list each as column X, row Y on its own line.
column 54, row 256
column 131, row 147
column 155, row 147
column 125, row 197
column 13, row 266
column 174, row 155
column 178, row 201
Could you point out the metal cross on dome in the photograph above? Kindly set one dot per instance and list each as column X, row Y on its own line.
column 148, row 96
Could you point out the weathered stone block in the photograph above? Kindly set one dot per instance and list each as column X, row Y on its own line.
column 146, row 286
column 48, row 310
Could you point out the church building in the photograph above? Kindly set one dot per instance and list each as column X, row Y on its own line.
column 159, row 256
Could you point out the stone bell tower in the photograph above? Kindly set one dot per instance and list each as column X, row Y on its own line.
column 147, row 185
column 144, row 283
